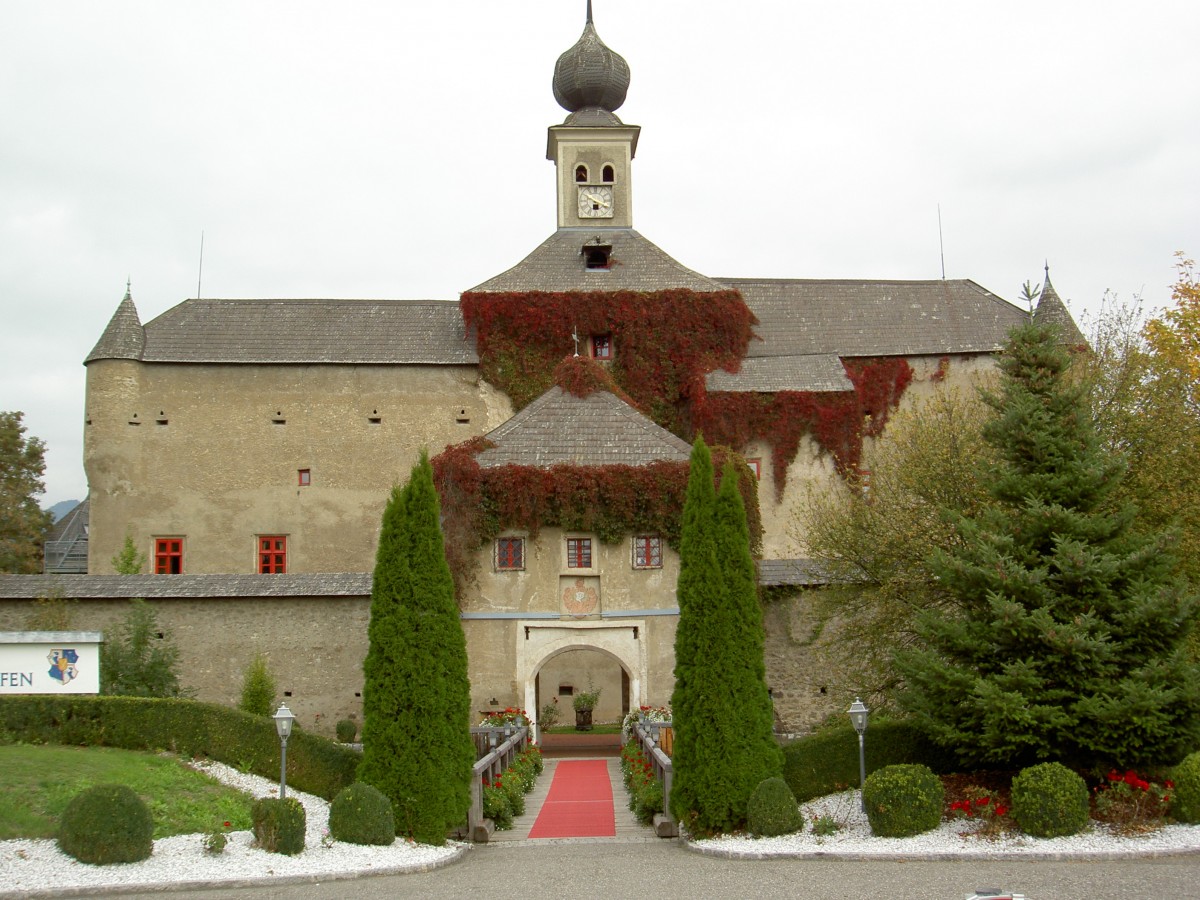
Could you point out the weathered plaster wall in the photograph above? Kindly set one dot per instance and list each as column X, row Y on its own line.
column 210, row 463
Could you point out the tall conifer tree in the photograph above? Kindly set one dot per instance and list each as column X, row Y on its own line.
column 417, row 746
column 1070, row 638
column 721, row 711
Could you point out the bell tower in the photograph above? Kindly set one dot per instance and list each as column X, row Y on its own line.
column 592, row 149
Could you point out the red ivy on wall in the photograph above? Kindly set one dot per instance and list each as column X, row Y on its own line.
column 838, row 422
column 664, row 342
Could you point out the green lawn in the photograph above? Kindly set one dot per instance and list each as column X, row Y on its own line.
column 37, row 783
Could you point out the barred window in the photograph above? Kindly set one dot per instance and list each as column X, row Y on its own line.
column 647, row 552
column 510, row 553
column 579, row 553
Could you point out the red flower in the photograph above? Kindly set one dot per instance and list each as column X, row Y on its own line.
column 227, row 825
column 1001, row 810
column 1114, row 775
column 1169, row 784
column 1131, row 778
column 983, row 801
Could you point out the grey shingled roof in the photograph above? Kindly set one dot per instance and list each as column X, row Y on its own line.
column 637, row 265
column 559, row 428
column 123, row 337
column 807, row 317
column 791, row 572
column 767, row 374
column 165, row 587
column 74, row 521
column 1050, row 309
column 310, row 331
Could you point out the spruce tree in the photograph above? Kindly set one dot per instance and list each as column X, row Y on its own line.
column 417, row 747
column 1068, row 643
column 721, row 711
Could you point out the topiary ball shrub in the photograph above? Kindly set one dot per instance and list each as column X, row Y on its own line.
column 903, row 800
column 361, row 814
column 279, row 825
column 772, row 809
column 105, row 824
column 346, row 730
column 1049, row 800
column 1185, row 802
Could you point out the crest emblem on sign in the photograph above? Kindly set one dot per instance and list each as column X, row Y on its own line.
column 63, row 664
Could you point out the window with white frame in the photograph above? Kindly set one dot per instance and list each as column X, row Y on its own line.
column 647, row 551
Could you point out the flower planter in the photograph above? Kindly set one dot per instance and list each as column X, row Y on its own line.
column 583, row 720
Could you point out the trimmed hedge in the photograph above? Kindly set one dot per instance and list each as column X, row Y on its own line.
column 828, row 760
column 315, row 765
column 903, row 800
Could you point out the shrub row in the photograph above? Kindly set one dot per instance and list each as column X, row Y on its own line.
column 315, row 765
column 828, row 761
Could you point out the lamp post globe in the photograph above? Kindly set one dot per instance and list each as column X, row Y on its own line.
column 858, row 719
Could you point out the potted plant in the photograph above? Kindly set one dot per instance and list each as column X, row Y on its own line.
column 584, row 702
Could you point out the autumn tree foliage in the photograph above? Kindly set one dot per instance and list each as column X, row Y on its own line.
column 722, row 713
column 1068, row 639
column 23, row 525
column 417, row 747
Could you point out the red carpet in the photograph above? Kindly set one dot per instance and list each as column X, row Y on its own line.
column 579, row 803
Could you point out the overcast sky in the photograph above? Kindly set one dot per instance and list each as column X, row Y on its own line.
column 397, row 150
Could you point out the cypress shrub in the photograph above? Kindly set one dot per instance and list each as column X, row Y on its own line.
column 903, row 800
column 1049, row 800
column 773, row 809
column 417, row 747
column 279, row 825
column 106, row 824
column 1185, row 804
column 362, row 815
column 724, row 741
column 258, row 688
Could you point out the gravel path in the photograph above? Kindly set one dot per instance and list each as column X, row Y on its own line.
column 952, row 840
column 33, row 868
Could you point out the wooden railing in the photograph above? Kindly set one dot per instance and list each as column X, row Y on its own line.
column 495, row 750
column 653, row 737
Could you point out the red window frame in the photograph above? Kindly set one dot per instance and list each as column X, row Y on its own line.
column 755, row 464
column 579, row 553
column 272, row 554
column 304, row 477
column 168, row 556
column 647, row 551
column 601, row 346
column 510, row 553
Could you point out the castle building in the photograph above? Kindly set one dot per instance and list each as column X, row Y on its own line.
column 248, row 447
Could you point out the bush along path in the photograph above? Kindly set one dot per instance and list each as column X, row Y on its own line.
column 40, row 868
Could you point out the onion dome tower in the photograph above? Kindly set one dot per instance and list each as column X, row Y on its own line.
column 592, row 149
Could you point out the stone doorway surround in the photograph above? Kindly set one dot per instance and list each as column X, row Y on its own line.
column 540, row 640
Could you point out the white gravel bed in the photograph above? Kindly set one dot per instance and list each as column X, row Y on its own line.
column 951, row 840
column 32, row 868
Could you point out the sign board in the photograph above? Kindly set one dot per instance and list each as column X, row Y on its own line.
column 50, row 662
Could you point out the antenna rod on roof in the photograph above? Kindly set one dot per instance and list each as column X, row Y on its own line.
column 200, row 274
column 941, row 246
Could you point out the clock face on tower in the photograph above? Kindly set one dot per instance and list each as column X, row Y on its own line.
column 595, row 201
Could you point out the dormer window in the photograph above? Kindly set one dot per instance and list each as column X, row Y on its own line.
column 596, row 253
column 602, row 346
column 581, row 174
column 608, row 175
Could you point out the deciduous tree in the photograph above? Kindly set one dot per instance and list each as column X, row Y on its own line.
column 417, row 747
column 23, row 525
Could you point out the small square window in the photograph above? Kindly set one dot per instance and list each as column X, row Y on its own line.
column 305, row 477
column 602, row 346
column 755, row 465
column 579, row 553
column 510, row 553
column 647, row 552
column 272, row 554
column 168, row 556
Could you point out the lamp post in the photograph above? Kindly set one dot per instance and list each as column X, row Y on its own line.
column 283, row 725
column 858, row 718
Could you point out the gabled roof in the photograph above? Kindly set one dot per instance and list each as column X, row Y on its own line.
column 767, row 374
column 123, row 338
column 74, row 522
column 600, row 429
column 310, row 331
column 636, row 264
column 808, row 317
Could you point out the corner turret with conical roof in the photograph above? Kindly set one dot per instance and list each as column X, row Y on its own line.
column 592, row 149
column 124, row 338
column 1052, row 311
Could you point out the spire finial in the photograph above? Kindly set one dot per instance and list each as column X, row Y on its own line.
column 128, row 284
column 589, row 12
